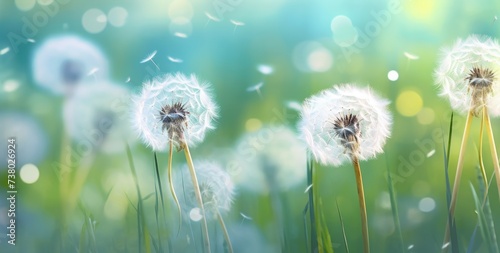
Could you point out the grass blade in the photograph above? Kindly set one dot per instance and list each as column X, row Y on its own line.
column 344, row 237
column 312, row 211
column 451, row 232
column 394, row 209
column 481, row 218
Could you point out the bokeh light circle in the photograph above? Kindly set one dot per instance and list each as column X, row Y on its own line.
column 117, row 16
column 426, row 116
column 409, row 103
column 195, row 214
column 94, row 21
column 25, row 5
column 320, row 60
column 344, row 33
column 393, row 75
column 427, row 205
column 29, row 173
column 45, row 2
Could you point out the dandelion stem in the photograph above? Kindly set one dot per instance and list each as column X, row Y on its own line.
column 493, row 147
column 480, row 152
column 170, row 182
column 198, row 195
column 226, row 234
column 456, row 184
column 79, row 180
column 362, row 204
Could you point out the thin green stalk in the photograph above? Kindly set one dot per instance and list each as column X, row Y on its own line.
column 456, row 184
column 198, row 196
column 312, row 211
column 344, row 236
column 226, row 234
column 394, row 208
column 362, row 204
column 171, row 184
column 493, row 147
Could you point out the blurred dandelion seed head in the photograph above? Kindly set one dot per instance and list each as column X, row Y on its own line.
column 465, row 75
column 174, row 107
column 272, row 158
column 336, row 118
column 95, row 116
column 216, row 186
column 61, row 62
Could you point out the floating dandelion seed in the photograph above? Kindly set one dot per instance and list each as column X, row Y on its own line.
column 92, row 72
column 128, row 79
column 172, row 59
column 236, row 24
column 411, row 56
column 308, row 188
column 265, row 69
column 174, row 90
column 411, row 246
column 211, row 18
column 30, row 40
column 4, row 50
column 256, row 88
column 445, row 245
column 61, row 63
column 245, row 217
column 150, row 58
column 495, row 18
column 431, row 153
column 180, row 35
column 294, row 105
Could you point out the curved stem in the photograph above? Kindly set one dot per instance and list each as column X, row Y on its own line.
column 198, row 195
column 171, row 185
column 226, row 234
column 456, row 184
column 362, row 204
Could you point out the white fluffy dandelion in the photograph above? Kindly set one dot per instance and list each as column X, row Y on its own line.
column 174, row 108
column 216, row 188
column 346, row 123
column 97, row 114
column 342, row 111
column 61, row 63
column 272, row 158
column 466, row 75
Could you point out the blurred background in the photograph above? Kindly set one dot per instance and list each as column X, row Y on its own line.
column 263, row 58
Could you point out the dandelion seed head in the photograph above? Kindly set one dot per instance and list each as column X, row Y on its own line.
column 175, row 98
column 466, row 75
column 96, row 114
column 272, row 158
column 216, row 187
column 61, row 63
column 345, row 120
